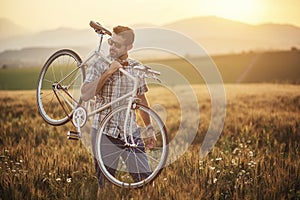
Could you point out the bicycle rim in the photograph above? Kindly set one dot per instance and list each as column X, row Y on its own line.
column 59, row 83
column 132, row 167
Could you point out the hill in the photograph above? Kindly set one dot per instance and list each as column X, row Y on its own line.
column 31, row 57
column 271, row 67
column 219, row 35
column 276, row 66
column 10, row 29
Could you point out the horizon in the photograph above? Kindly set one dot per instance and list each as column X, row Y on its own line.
column 77, row 16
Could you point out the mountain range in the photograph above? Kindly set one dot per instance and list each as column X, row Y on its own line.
column 19, row 46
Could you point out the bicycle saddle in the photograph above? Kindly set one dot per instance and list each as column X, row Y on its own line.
column 99, row 28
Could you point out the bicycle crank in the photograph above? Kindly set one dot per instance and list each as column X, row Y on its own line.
column 79, row 117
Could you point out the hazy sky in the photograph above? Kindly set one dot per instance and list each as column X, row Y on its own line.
column 48, row 14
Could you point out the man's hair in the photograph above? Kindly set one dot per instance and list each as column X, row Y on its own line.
column 126, row 32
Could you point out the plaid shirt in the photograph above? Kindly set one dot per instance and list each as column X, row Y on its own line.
column 116, row 86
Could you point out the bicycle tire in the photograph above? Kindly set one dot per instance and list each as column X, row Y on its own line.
column 60, row 76
column 156, row 157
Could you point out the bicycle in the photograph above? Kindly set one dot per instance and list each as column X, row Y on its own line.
column 58, row 98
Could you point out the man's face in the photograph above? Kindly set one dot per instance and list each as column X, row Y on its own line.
column 117, row 46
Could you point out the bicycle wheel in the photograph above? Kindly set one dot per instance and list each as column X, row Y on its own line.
column 126, row 166
column 58, row 90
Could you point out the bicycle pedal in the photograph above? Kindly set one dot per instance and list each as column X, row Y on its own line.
column 73, row 135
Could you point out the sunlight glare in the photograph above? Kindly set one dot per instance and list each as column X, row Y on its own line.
column 246, row 10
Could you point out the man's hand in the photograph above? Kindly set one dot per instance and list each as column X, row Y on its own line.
column 114, row 66
column 150, row 140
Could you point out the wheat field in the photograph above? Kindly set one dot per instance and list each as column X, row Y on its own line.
column 256, row 157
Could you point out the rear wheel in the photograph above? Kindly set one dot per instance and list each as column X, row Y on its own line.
column 58, row 91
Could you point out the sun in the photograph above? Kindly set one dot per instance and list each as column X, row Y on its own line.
column 240, row 10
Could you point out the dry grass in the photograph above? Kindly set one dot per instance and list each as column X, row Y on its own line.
column 256, row 157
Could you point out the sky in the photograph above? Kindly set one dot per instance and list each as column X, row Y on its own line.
column 44, row 14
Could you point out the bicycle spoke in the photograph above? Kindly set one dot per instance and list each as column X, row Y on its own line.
column 49, row 81
column 137, row 166
column 53, row 73
column 149, row 156
column 127, row 157
column 50, row 107
column 114, row 161
column 142, row 163
column 111, row 154
column 44, row 96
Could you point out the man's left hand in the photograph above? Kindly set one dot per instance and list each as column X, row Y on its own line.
column 150, row 140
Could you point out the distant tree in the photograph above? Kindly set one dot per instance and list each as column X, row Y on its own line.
column 4, row 66
column 294, row 49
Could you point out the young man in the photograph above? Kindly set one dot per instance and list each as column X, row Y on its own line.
column 107, row 83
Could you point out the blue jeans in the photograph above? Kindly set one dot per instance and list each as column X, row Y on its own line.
column 135, row 158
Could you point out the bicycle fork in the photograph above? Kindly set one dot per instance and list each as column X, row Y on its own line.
column 128, row 117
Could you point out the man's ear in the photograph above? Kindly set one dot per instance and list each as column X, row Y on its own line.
column 129, row 47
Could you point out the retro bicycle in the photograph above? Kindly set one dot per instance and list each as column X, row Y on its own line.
column 58, row 98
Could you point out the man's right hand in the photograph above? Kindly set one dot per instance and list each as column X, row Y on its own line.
column 114, row 66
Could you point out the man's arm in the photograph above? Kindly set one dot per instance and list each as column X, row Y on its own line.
column 90, row 89
column 143, row 114
column 151, row 139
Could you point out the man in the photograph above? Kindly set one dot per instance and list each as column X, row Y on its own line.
column 107, row 83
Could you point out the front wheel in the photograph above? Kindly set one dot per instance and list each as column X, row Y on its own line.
column 131, row 166
column 58, row 90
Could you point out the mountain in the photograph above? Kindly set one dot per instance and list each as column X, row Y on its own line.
column 216, row 35
column 219, row 35
column 10, row 29
column 61, row 37
column 34, row 49
column 31, row 57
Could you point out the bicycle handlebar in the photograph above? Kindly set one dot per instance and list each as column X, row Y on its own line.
column 146, row 69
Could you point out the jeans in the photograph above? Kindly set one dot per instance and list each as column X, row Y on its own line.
column 135, row 158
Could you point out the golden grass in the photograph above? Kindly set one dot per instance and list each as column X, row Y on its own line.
column 256, row 157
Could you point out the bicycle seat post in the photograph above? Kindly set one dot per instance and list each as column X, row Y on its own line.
column 100, row 41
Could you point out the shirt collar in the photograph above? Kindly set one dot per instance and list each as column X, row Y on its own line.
column 123, row 60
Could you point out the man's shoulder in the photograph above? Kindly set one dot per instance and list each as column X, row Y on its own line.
column 99, row 64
